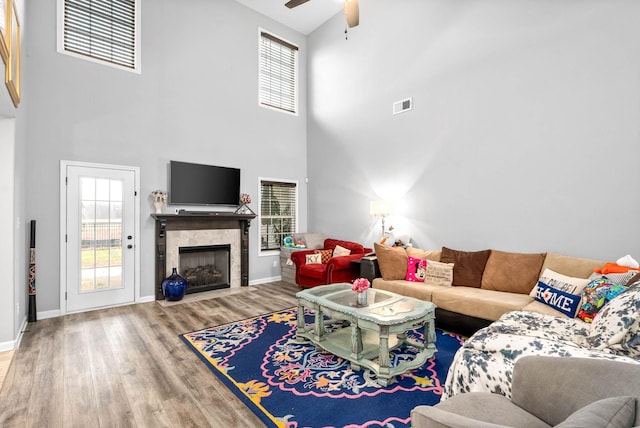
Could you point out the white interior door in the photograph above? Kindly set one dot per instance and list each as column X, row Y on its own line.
column 100, row 236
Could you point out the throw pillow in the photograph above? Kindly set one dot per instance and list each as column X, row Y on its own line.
column 312, row 241
column 325, row 255
column 439, row 274
column 626, row 278
column 433, row 255
column 562, row 282
column 392, row 262
column 416, row 269
column 559, row 300
column 468, row 266
column 617, row 326
column 595, row 295
column 512, row 272
column 340, row 251
column 313, row 259
column 606, row 413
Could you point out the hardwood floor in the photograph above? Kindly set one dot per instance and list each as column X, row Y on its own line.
column 127, row 367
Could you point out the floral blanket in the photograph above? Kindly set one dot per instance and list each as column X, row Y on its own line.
column 485, row 362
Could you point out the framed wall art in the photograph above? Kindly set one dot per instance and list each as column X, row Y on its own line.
column 12, row 69
column 4, row 50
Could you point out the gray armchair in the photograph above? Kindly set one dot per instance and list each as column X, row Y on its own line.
column 547, row 392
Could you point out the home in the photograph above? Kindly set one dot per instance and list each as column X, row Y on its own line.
column 522, row 133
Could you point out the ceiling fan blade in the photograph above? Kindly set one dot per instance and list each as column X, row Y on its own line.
column 294, row 3
column 352, row 12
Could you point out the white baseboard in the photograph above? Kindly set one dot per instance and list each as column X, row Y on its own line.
column 146, row 299
column 48, row 314
column 265, row 280
column 14, row 344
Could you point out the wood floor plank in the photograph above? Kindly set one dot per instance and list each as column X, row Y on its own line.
column 128, row 367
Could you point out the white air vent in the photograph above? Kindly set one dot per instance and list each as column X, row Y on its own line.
column 402, row 106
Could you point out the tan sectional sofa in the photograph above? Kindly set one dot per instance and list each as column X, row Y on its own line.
column 506, row 281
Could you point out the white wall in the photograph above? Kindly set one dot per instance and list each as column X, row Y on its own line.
column 196, row 101
column 524, row 133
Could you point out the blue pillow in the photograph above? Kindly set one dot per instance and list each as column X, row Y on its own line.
column 559, row 300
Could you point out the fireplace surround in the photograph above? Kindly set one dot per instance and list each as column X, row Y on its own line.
column 195, row 229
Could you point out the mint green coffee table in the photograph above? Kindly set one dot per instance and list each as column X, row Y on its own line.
column 369, row 332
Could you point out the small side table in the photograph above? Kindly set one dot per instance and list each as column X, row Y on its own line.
column 287, row 269
column 369, row 268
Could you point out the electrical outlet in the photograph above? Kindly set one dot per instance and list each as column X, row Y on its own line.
column 275, row 263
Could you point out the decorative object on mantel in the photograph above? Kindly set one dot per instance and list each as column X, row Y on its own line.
column 159, row 199
column 360, row 286
column 243, row 208
column 174, row 286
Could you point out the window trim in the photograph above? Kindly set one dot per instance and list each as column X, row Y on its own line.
column 137, row 51
column 274, row 252
column 290, row 44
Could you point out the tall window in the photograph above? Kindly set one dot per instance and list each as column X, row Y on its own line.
column 278, row 73
column 278, row 209
column 103, row 30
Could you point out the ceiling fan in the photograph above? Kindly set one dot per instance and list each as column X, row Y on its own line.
column 351, row 10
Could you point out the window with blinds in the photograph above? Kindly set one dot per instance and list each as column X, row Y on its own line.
column 278, row 73
column 102, row 30
column 278, row 208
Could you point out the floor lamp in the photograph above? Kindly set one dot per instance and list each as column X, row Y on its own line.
column 381, row 208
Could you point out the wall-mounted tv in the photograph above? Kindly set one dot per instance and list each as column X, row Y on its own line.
column 196, row 184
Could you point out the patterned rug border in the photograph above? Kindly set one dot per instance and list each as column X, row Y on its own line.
column 222, row 374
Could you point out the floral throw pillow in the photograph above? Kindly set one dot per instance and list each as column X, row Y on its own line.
column 617, row 326
column 595, row 295
column 416, row 269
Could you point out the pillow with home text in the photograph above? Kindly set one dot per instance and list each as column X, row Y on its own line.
column 561, row 301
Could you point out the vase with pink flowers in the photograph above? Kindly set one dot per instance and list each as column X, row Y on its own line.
column 360, row 286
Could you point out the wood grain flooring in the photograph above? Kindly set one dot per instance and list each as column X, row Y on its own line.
column 127, row 367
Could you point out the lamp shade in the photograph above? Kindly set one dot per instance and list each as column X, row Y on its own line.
column 381, row 208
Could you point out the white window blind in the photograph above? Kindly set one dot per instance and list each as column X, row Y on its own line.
column 104, row 30
column 278, row 71
column 278, row 206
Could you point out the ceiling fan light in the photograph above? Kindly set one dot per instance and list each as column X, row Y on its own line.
column 352, row 13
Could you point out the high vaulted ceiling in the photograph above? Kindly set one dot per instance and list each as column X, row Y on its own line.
column 304, row 18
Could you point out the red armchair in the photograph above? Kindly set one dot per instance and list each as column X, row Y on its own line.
column 337, row 269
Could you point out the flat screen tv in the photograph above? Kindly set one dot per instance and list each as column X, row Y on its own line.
column 196, row 184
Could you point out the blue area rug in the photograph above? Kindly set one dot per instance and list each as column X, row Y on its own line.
column 292, row 384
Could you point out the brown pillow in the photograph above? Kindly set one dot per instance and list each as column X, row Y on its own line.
column 433, row 255
column 392, row 262
column 513, row 272
column 468, row 266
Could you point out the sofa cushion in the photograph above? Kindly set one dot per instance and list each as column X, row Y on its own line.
column 313, row 259
column 325, row 255
column 416, row 269
column 416, row 290
column 439, row 273
column 617, row 325
column 433, row 255
column 571, row 266
column 479, row 303
column 311, row 240
column 612, row 412
column 514, row 272
column 340, row 251
column 468, row 266
column 392, row 261
column 316, row 271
